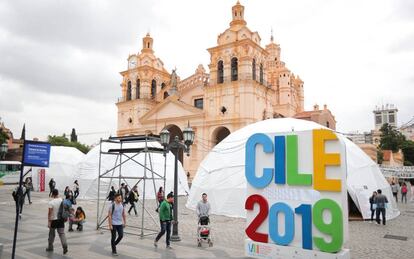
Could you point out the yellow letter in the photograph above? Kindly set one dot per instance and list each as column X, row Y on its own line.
column 322, row 159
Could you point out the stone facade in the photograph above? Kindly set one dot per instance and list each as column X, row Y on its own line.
column 246, row 83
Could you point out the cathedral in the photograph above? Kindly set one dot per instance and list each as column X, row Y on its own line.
column 244, row 83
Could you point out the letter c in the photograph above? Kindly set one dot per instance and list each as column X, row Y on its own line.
column 250, row 158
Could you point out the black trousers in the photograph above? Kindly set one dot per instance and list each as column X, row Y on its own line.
column 395, row 194
column 380, row 211
column 20, row 205
column 132, row 207
column 165, row 227
column 404, row 196
column 372, row 214
column 114, row 240
column 76, row 194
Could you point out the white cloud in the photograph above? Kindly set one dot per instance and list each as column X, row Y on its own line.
column 60, row 59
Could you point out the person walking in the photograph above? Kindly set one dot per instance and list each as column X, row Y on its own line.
column 78, row 219
column 117, row 222
column 133, row 198
column 394, row 189
column 52, row 185
column 381, row 202
column 56, row 222
column 373, row 206
column 124, row 193
column 404, row 191
column 18, row 196
column 75, row 189
column 203, row 207
column 111, row 195
column 165, row 213
column 29, row 187
column 160, row 197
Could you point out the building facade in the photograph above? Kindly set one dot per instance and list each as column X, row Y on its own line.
column 246, row 83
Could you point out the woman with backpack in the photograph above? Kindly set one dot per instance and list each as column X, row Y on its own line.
column 404, row 191
column 132, row 199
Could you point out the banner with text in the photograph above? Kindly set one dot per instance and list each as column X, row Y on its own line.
column 296, row 195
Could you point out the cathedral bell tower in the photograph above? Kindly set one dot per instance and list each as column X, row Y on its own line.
column 147, row 42
column 238, row 15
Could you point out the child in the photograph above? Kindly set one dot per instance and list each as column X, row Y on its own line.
column 71, row 218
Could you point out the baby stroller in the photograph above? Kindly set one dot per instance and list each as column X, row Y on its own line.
column 204, row 231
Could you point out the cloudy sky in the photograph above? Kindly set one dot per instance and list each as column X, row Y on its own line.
column 60, row 60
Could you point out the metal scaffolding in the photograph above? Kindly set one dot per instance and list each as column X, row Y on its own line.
column 128, row 149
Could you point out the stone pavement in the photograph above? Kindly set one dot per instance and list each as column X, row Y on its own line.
column 366, row 240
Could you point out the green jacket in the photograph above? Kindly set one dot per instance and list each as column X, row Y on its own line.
column 165, row 211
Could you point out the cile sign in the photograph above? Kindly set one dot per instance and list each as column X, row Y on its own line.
column 296, row 203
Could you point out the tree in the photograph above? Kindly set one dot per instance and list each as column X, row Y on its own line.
column 73, row 136
column 391, row 139
column 64, row 141
column 3, row 136
column 23, row 136
column 408, row 150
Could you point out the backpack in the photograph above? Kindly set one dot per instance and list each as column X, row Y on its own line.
column 63, row 212
column 404, row 189
column 14, row 194
column 113, row 208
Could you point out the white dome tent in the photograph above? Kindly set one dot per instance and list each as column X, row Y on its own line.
column 221, row 173
column 63, row 165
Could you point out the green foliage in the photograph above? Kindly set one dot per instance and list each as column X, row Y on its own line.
column 391, row 139
column 380, row 156
column 63, row 141
column 408, row 150
column 3, row 136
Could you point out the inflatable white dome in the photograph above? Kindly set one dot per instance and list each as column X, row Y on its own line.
column 221, row 174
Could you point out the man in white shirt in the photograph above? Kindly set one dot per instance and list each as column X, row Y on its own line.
column 56, row 222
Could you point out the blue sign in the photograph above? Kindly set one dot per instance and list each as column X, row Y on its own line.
column 36, row 153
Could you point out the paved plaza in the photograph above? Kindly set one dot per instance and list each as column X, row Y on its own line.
column 366, row 240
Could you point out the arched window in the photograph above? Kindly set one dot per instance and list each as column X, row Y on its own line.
column 327, row 124
column 254, row 69
column 234, row 73
column 220, row 72
column 128, row 94
column 261, row 73
column 162, row 85
column 138, row 89
column 153, row 88
column 166, row 95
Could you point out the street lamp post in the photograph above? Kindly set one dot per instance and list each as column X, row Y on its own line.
column 175, row 146
column 3, row 150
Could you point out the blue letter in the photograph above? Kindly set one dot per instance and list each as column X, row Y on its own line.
column 280, row 160
column 266, row 142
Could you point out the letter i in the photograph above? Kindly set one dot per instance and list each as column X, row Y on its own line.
column 280, row 159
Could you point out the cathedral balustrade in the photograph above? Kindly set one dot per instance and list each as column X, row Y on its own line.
column 242, row 77
column 193, row 81
column 141, row 96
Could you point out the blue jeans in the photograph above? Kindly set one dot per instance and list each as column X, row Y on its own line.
column 114, row 241
column 165, row 227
